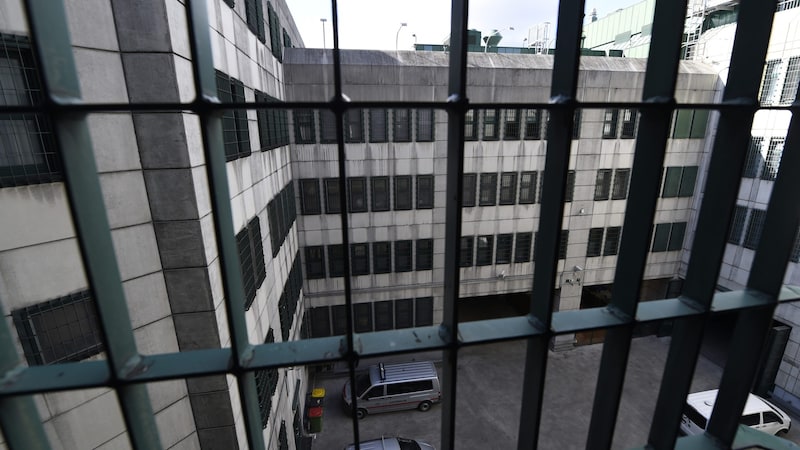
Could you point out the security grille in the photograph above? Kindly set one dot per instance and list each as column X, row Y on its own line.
column 125, row 371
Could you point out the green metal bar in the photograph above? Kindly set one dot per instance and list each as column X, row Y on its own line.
column 54, row 56
column 457, row 99
column 651, row 144
column 721, row 190
column 233, row 287
column 566, row 65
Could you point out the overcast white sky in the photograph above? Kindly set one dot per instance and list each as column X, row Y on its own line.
column 374, row 24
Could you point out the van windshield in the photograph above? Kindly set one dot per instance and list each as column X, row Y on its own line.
column 362, row 384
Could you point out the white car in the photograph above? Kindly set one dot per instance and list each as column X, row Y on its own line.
column 758, row 413
column 391, row 443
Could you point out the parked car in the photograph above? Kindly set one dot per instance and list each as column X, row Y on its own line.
column 758, row 413
column 393, row 387
column 391, row 443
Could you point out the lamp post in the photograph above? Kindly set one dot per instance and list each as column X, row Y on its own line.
column 415, row 40
column 397, row 36
column 323, row 20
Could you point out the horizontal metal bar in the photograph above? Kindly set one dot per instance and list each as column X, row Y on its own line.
column 586, row 319
column 496, row 330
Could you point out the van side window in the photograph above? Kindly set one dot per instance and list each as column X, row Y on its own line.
column 376, row 391
column 770, row 417
column 409, row 387
column 751, row 419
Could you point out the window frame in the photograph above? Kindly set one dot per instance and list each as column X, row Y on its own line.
column 487, row 194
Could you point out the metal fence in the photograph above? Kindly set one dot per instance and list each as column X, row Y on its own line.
column 126, row 371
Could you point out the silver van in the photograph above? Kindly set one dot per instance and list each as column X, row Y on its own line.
column 393, row 387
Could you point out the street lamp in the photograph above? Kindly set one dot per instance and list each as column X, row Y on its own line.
column 397, row 36
column 323, row 20
column 415, row 40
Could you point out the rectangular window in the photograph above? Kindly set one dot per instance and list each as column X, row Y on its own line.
column 424, row 254
column 490, row 119
column 468, row 189
column 381, row 257
column 576, row 124
column 332, row 200
column 402, row 192
column 60, row 330
column 595, row 243
column 465, row 256
column 383, row 315
column 611, row 246
column 380, row 193
column 320, row 321
column 676, row 235
column 795, row 256
column 737, row 225
column 402, row 125
column 503, row 248
column 790, row 82
column 508, row 188
column 661, row 237
column 266, row 384
column 403, row 310
column 629, row 119
column 527, row 188
column 378, row 125
column 273, row 129
column 423, row 312
column 235, row 134
column 274, row 33
column 619, row 189
column 425, row 125
column 522, row 253
column 484, row 251
column 315, row 262
column 354, row 126
column 562, row 244
column 533, row 124
column 358, row 194
column 327, row 126
column 309, row 196
column 255, row 18
column 304, row 126
column 470, row 125
column 602, row 186
column 424, row 191
column 362, row 317
column 769, row 82
column 359, row 259
column 773, row 160
column 402, row 256
column 569, row 189
column 511, row 126
column 688, row 178
column 339, row 319
column 754, row 228
column 488, row 192
column 672, row 182
column 754, row 161
column 336, row 260
column 610, row 123
column 27, row 146
column 683, row 123
column 251, row 259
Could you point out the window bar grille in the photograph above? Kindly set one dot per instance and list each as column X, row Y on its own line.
column 563, row 91
column 721, row 189
column 50, row 35
column 651, row 143
column 233, row 284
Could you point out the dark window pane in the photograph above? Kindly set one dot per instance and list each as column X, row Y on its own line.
column 309, row 196
column 754, row 157
column 378, row 125
column 336, row 260
column 384, row 314
column 676, row 236
column 362, row 317
column 353, row 126
column 402, row 256
column 402, row 125
column 339, row 313
column 488, row 192
column 304, row 126
column 602, row 186
column 381, row 257
column 508, row 188
column 380, row 193
column 327, row 126
column 503, row 249
column 569, row 190
column 511, row 126
column 320, row 322
column 661, row 237
column 562, row 244
column 332, row 200
column 629, row 118
column 522, row 253
column 423, row 312
column 672, row 182
column 403, row 310
column 688, row 178
column 737, row 225
column 533, row 124
column 315, row 262
column 595, row 242
column 425, row 125
column 465, row 257
column 611, row 246
column 683, row 123
column 424, row 191
column 358, row 194
column 490, row 119
column 470, row 125
column 754, row 228
column 484, row 252
column 620, row 187
column 359, row 259
column 402, row 192
column 795, row 256
column 468, row 187
column 527, row 188
column 424, row 254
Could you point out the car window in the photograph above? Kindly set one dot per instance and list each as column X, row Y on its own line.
column 408, row 444
column 751, row 419
column 362, row 384
column 376, row 391
column 770, row 417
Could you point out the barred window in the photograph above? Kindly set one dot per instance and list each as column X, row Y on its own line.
column 754, row 158
column 569, row 189
column 304, row 126
column 402, row 192
column 754, row 228
column 358, row 194
column 60, row 330
column 27, row 147
column 595, row 243
column 490, row 119
column 402, row 125
column 620, row 187
column 488, row 193
column 378, row 125
column 468, row 189
column 424, row 191
column 737, row 225
column 790, row 82
column 533, row 124
column 266, row 384
column 274, row 33
column 508, row 188
column 327, row 126
column 484, row 250
column 610, row 123
column 235, row 134
column 602, row 185
column 336, row 260
column 522, row 252
column 466, row 254
column 380, row 193
column 527, row 188
column 611, row 246
column 381, row 257
column 769, row 82
column 425, row 125
column 503, row 248
column 255, row 18
column 773, row 161
column 402, row 256
column 354, row 125
column 424, row 254
column 562, row 244
column 795, row 256
column 332, row 200
column 251, row 259
column 359, row 259
column 470, row 125
column 315, row 262
column 511, row 126
column 309, row 196
column 629, row 119
column 273, row 131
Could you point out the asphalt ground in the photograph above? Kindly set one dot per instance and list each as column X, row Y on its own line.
column 488, row 399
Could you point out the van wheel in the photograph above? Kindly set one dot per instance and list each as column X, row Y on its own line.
column 782, row 432
column 361, row 413
column 424, row 406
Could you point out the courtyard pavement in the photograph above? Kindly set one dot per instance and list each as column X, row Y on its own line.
column 489, row 391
